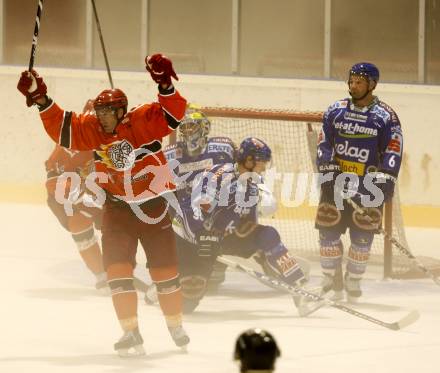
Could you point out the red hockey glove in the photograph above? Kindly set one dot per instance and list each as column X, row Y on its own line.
column 160, row 68
column 32, row 86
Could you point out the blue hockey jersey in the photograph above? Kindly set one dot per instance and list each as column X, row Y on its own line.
column 226, row 202
column 361, row 140
column 188, row 170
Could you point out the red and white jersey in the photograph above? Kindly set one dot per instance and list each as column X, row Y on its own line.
column 131, row 156
column 65, row 160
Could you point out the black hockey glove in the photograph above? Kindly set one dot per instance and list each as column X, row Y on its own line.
column 208, row 244
column 385, row 182
column 330, row 172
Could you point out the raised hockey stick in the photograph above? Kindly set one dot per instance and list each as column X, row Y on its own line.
column 409, row 319
column 35, row 36
column 98, row 26
column 404, row 250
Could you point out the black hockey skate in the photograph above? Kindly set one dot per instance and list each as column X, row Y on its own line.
column 332, row 286
column 352, row 287
column 179, row 336
column 130, row 344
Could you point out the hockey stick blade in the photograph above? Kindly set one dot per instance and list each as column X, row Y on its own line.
column 304, row 309
column 409, row 319
column 397, row 325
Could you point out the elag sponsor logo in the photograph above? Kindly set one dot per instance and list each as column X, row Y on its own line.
column 352, row 151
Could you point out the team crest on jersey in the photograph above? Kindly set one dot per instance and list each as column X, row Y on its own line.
column 118, row 155
column 341, row 104
column 381, row 113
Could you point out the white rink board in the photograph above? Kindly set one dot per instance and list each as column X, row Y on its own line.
column 25, row 146
column 52, row 320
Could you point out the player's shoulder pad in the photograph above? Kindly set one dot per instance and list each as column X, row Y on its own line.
column 221, row 144
column 89, row 119
column 387, row 112
column 337, row 105
column 136, row 112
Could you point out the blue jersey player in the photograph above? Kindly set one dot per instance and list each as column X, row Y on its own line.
column 227, row 203
column 190, row 158
column 359, row 155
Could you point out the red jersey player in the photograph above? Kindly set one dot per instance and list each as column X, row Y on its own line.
column 134, row 174
column 81, row 222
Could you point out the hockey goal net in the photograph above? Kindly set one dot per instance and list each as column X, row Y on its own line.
column 292, row 136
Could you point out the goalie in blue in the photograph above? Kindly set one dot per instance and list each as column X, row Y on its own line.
column 226, row 204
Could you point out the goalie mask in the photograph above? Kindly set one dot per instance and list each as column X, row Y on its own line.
column 256, row 349
column 194, row 131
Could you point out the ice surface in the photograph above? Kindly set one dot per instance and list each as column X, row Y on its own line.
column 52, row 319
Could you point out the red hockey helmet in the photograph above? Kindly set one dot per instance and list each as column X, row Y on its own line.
column 113, row 98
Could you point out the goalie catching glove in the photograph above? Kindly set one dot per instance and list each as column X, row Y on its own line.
column 160, row 69
column 32, row 86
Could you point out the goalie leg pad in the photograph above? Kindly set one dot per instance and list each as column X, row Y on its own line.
column 359, row 252
column 277, row 256
column 282, row 262
column 268, row 237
